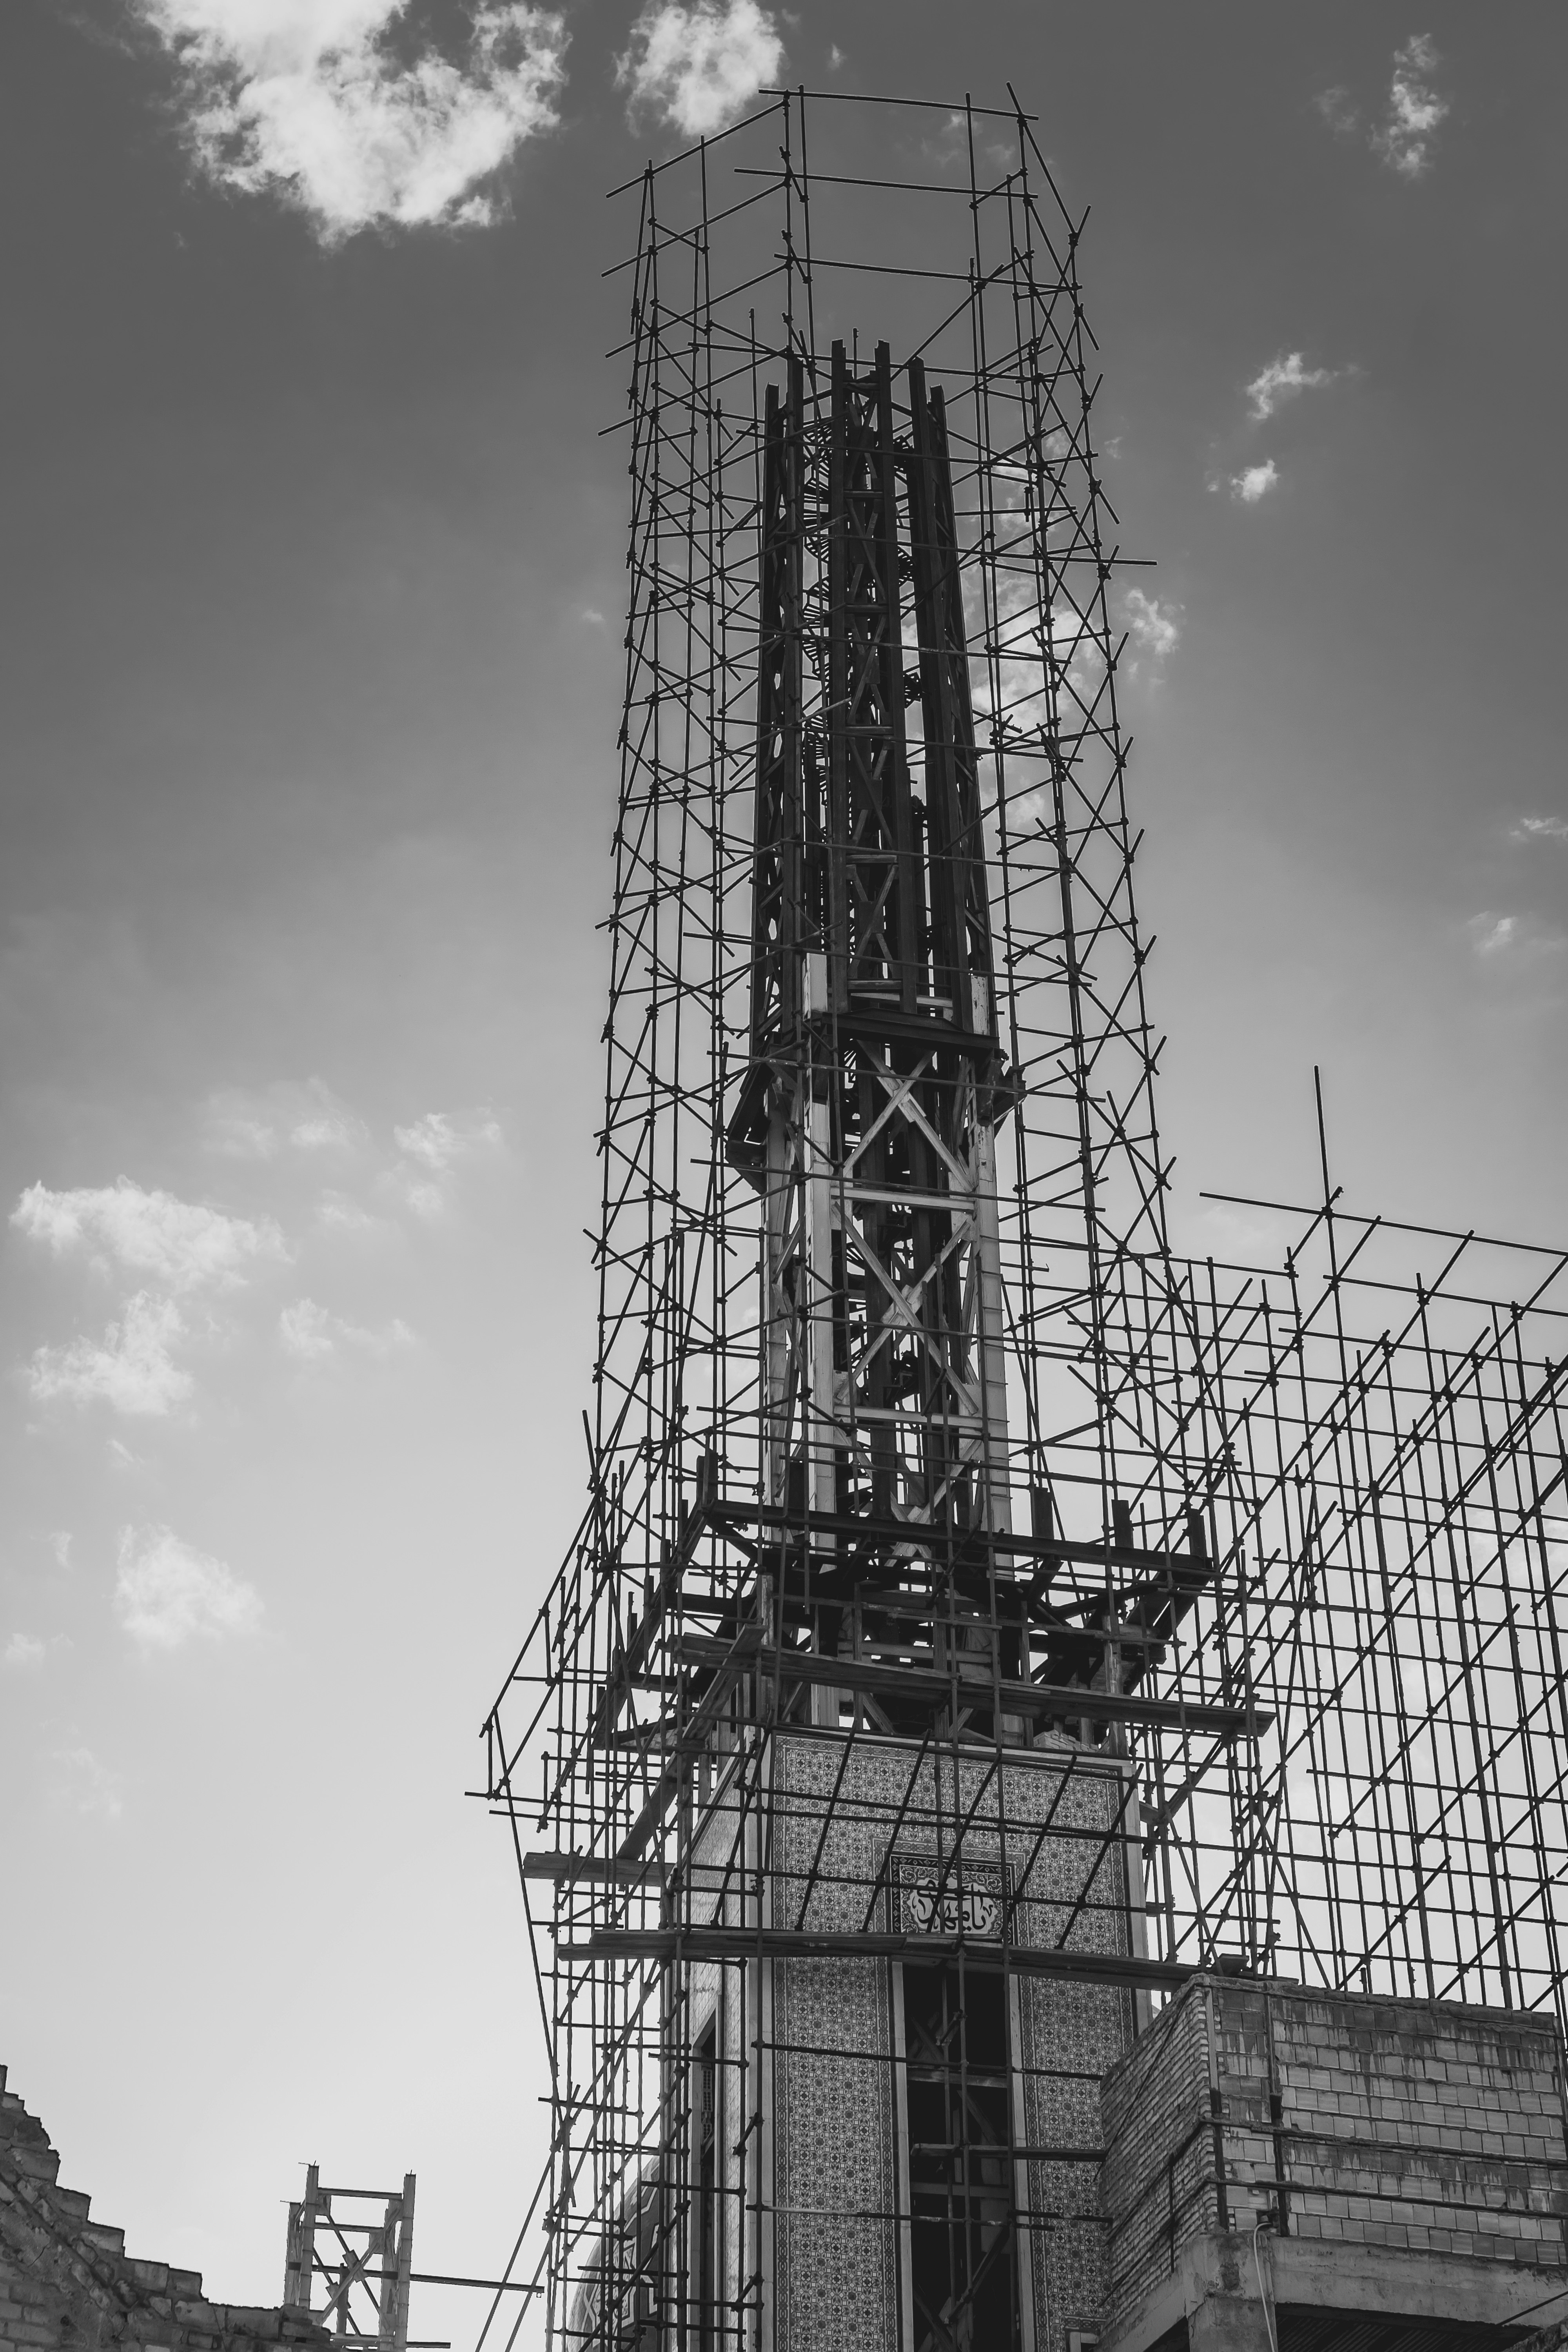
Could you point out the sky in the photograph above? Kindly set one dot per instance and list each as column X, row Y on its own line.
column 311, row 570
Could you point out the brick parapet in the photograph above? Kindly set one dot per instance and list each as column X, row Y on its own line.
column 67, row 2284
column 1428, row 2126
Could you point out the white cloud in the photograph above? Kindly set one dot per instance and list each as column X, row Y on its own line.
column 130, row 1368
column 1415, row 110
column 1338, row 109
column 596, row 620
column 25, row 1654
column 1512, row 937
column 1152, row 626
column 290, row 1116
column 1255, row 482
column 697, row 64
column 1491, row 935
column 121, row 1456
column 309, row 100
column 60, row 1545
column 179, row 1242
column 1539, row 828
column 239, row 1131
column 439, row 1139
column 304, row 1330
column 1025, row 631
column 1281, row 380
column 312, row 1334
column 338, row 1214
column 86, row 1785
column 324, row 1134
column 434, row 1148
column 166, row 1593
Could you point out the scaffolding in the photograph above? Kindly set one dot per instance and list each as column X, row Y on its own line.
column 975, row 1594
column 358, row 2244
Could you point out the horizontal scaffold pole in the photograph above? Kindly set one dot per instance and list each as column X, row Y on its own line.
column 736, row 1945
column 1189, row 1572
column 1054, row 1700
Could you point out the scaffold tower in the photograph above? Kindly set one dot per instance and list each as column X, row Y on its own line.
column 983, row 1617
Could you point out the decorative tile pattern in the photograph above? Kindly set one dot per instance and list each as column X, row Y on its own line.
column 835, row 2246
column 835, row 2134
column 1071, row 2034
column 1042, row 1841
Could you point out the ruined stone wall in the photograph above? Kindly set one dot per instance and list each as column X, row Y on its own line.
column 1426, row 2127
column 67, row 2284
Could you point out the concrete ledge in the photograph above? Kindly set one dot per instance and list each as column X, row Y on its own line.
column 1214, row 2297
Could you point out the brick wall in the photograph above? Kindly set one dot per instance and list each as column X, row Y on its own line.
column 1159, row 2180
column 67, row 2280
column 1422, row 2126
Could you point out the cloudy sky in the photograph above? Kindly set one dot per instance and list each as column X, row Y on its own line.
column 311, row 571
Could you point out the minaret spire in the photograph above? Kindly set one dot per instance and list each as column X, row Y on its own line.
column 866, row 1115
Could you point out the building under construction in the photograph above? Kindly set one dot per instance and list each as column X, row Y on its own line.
column 1039, row 1784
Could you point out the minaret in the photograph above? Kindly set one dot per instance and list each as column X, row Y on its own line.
column 987, row 1622
column 833, row 1704
column 924, row 2080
